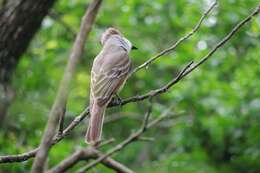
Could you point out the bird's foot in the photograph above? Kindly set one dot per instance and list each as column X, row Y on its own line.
column 117, row 100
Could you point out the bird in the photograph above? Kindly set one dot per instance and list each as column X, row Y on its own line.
column 110, row 70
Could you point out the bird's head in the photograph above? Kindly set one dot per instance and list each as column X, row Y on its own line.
column 113, row 31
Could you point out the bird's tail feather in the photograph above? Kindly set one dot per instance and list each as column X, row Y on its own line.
column 94, row 131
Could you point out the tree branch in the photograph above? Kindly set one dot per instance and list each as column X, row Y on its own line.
column 62, row 94
column 176, row 44
column 58, row 18
column 147, row 115
column 61, row 121
column 87, row 154
column 133, row 137
column 112, row 164
column 224, row 40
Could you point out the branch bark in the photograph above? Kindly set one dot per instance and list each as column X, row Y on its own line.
column 19, row 21
column 62, row 94
column 88, row 154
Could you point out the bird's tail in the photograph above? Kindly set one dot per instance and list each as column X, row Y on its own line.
column 94, row 131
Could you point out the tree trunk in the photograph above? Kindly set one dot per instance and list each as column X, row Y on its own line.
column 19, row 21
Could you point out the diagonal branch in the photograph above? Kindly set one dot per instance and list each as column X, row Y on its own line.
column 224, row 40
column 62, row 94
column 58, row 18
column 147, row 115
column 85, row 155
column 133, row 137
column 61, row 121
column 56, row 139
column 182, row 39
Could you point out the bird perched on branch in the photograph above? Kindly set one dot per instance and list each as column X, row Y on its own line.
column 109, row 72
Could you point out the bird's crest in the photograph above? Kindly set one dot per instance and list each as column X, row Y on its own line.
column 109, row 32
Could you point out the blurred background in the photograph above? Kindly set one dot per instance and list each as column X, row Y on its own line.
column 218, row 105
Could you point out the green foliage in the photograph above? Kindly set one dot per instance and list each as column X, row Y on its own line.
column 218, row 130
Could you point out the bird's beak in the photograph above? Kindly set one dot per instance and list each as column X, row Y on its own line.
column 134, row 48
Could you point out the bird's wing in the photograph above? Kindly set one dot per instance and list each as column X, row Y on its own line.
column 107, row 75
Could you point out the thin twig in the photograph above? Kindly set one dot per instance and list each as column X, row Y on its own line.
column 224, row 40
column 182, row 39
column 58, row 18
column 149, row 139
column 61, row 121
column 147, row 115
column 106, row 142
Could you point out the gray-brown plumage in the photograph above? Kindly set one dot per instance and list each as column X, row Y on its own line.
column 109, row 72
